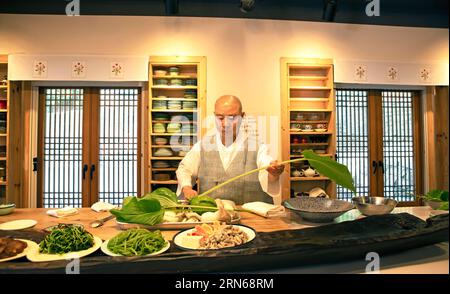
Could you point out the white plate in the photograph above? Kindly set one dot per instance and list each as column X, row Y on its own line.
column 105, row 249
column 30, row 244
column 320, row 130
column 18, row 224
column 34, row 255
column 178, row 239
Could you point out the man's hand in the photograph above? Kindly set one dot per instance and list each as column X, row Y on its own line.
column 189, row 193
column 275, row 170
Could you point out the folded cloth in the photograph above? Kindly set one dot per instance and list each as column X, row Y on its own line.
column 102, row 206
column 264, row 209
column 66, row 211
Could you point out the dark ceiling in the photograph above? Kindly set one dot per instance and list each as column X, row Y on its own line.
column 411, row 13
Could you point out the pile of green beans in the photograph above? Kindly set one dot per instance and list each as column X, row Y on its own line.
column 66, row 238
column 136, row 242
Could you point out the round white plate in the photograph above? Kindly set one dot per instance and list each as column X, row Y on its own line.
column 105, row 249
column 18, row 224
column 30, row 244
column 34, row 255
column 178, row 239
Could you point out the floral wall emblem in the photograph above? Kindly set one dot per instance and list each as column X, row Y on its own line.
column 360, row 73
column 392, row 73
column 425, row 74
column 78, row 69
column 40, row 69
column 116, row 69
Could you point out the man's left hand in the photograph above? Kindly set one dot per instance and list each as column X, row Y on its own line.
column 275, row 169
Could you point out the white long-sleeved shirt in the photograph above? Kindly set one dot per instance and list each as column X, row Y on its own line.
column 187, row 171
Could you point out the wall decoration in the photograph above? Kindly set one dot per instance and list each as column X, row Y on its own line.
column 360, row 72
column 392, row 73
column 40, row 69
column 78, row 69
column 425, row 75
column 116, row 70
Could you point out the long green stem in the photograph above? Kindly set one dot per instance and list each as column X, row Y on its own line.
column 246, row 174
column 204, row 207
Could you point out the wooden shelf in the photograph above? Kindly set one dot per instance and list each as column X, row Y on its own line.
column 312, row 99
column 174, row 98
column 311, row 133
column 172, row 134
column 178, row 122
column 175, row 77
column 174, row 110
column 3, row 87
column 310, row 179
column 309, row 121
column 3, row 135
column 311, row 110
column 174, row 87
column 307, row 66
column 3, row 183
column 3, row 158
column 166, row 158
column 309, row 144
column 3, row 110
column 313, row 88
column 171, row 146
column 164, row 169
column 308, row 78
column 171, row 182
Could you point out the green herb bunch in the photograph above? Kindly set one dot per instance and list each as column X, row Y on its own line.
column 66, row 238
column 137, row 242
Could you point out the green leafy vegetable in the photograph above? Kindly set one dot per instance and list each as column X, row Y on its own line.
column 66, row 238
column 439, row 196
column 202, row 201
column 166, row 197
column 137, row 242
column 144, row 211
column 331, row 169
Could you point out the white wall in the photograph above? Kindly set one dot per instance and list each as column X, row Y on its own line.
column 242, row 55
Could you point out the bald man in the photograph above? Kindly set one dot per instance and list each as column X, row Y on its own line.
column 229, row 152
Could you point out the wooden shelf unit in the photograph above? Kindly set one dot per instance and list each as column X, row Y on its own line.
column 190, row 68
column 307, row 98
column 4, row 138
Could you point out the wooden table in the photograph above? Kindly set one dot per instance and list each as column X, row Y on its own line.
column 403, row 263
column 260, row 224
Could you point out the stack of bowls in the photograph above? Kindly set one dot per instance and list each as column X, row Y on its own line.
column 174, row 105
column 160, row 164
column 162, row 152
column 161, row 141
column 161, row 82
column 159, row 128
column 158, row 104
column 191, row 82
column 160, row 72
column 189, row 105
column 174, row 128
column 190, row 93
column 176, row 82
column 174, row 70
column 160, row 116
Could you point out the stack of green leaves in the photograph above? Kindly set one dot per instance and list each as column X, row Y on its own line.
column 66, row 238
column 439, row 196
column 137, row 242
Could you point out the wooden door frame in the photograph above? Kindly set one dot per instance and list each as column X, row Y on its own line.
column 91, row 142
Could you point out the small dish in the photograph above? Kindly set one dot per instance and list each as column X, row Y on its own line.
column 18, row 224
column 7, row 208
column 105, row 249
